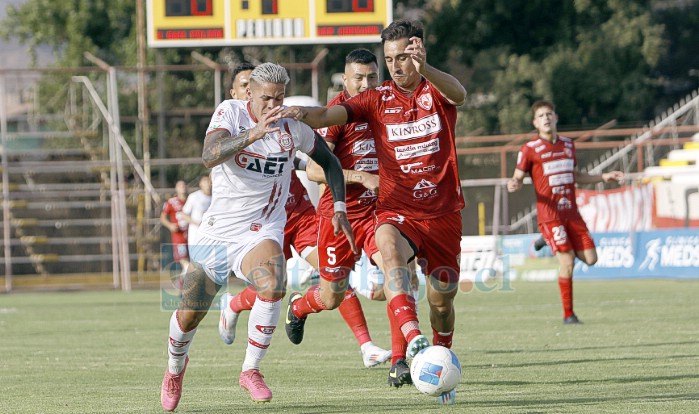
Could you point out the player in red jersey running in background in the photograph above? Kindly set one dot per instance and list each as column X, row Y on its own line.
column 550, row 160
column 413, row 118
column 172, row 218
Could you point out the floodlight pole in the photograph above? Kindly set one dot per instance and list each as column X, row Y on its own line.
column 6, row 221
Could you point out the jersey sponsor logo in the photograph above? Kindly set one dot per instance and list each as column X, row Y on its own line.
column 218, row 116
column 255, row 227
column 367, row 164
column 532, row 144
column 415, row 168
column 546, row 155
column 364, row 147
column 425, row 101
column 387, row 98
column 269, row 166
column 564, row 204
column 561, row 179
column 424, row 189
column 417, row 150
column 558, row 166
column 407, row 167
column 323, row 132
column 539, row 148
column 423, row 127
column 559, row 189
column 361, row 127
column 396, row 110
column 367, row 197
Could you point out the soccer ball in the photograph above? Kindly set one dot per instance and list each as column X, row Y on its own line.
column 435, row 370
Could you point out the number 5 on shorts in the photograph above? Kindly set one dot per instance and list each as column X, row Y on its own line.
column 332, row 258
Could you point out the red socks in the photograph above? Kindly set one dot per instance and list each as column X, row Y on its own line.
column 404, row 323
column 566, row 287
column 399, row 346
column 352, row 313
column 309, row 303
column 442, row 338
column 243, row 300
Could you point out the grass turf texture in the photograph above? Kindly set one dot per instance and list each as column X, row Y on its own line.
column 104, row 352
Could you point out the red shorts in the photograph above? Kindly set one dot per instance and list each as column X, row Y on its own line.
column 300, row 231
column 179, row 246
column 567, row 235
column 335, row 257
column 437, row 242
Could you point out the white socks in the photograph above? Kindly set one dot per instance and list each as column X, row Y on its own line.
column 178, row 345
column 261, row 325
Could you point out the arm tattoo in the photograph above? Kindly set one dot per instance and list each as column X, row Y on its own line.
column 219, row 146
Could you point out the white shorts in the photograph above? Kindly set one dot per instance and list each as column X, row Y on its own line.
column 219, row 258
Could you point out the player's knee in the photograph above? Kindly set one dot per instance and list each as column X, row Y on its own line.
column 333, row 301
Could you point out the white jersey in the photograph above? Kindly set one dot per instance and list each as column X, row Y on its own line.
column 249, row 190
column 195, row 207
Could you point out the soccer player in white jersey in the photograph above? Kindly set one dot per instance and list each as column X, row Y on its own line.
column 251, row 152
column 194, row 208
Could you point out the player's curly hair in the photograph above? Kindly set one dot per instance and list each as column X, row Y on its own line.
column 402, row 29
column 270, row 73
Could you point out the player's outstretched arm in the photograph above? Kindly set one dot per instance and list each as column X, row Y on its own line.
column 369, row 181
column 317, row 116
column 582, row 177
column 220, row 145
column 333, row 176
column 515, row 183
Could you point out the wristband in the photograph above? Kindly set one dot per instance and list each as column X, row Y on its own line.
column 340, row 207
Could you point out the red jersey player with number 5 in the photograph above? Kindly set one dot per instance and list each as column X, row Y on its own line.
column 550, row 160
column 413, row 117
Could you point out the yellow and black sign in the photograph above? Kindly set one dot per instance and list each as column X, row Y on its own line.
column 196, row 23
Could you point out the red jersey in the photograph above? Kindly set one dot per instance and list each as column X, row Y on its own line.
column 551, row 166
column 298, row 200
column 414, row 135
column 355, row 148
column 173, row 208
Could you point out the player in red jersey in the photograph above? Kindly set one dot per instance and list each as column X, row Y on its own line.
column 413, row 118
column 172, row 219
column 353, row 144
column 550, row 160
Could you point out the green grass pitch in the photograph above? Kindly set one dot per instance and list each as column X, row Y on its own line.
column 105, row 352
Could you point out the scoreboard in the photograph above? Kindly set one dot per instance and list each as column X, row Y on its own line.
column 197, row 23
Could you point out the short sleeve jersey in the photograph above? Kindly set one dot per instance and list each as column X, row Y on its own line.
column 251, row 188
column 298, row 199
column 356, row 150
column 551, row 166
column 414, row 136
column 196, row 205
column 173, row 207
